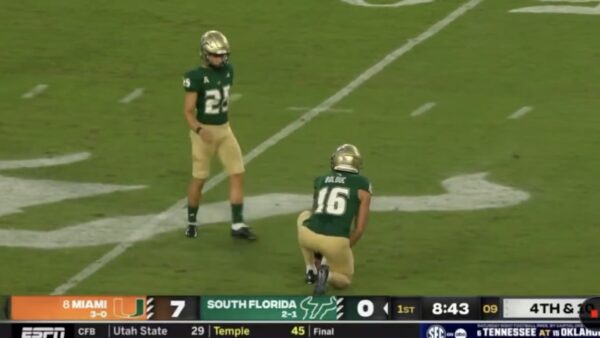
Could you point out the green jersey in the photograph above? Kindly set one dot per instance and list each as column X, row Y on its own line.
column 336, row 203
column 212, row 86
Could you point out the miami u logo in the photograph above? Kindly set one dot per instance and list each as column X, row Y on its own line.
column 119, row 308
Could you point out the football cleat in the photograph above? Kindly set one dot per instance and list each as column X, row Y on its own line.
column 310, row 277
column 322, row 276
column 191, row 231
column 244, row 233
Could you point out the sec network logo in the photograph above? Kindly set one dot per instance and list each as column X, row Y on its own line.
column 436, row 331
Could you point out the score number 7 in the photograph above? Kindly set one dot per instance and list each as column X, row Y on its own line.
column 179, row 305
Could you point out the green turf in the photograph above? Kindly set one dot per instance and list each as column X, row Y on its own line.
column 4, row 307
column 480, row 69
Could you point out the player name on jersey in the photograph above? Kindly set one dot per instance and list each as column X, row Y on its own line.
column 335, row 179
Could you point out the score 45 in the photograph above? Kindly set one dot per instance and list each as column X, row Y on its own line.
column 298, row 330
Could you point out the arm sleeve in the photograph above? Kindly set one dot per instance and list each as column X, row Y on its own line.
column 191, row 82
column 364, row 184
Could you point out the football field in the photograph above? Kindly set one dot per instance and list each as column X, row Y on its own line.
column 477, row 120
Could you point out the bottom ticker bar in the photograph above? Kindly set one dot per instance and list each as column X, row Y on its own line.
column 333, row 330
column 196, row 330
column 296, row 330
column 5, row 330
column 107, row 330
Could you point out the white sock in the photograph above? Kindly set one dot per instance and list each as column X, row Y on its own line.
column 238, row 226
column 311, row 267
column 323, row 261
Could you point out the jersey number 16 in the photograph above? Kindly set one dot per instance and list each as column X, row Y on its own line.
column 336, row 197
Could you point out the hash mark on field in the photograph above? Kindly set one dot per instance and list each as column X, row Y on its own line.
column 175, row 209
column 520, row 113
column 135, row 94
column 333, row 110
column 35, row 91
column 423, row 109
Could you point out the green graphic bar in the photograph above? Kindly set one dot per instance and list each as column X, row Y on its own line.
column 268, row 308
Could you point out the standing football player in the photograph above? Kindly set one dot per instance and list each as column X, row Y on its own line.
column 341, row 197
column 206, row 108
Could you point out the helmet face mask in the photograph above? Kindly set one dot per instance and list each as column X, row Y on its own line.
column 214, row 43
column 346, row 158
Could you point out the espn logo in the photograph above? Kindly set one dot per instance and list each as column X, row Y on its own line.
column 43, row 332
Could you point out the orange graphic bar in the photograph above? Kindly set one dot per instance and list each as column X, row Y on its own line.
column 78, row 307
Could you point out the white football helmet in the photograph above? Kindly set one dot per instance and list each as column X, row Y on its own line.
column 214, row 42
column 346, row 158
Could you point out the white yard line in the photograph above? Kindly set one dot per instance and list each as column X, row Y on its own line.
column 235, row 97
column 333, row 110
column 423, row 109
column 520, row 113
column 571, row 1
column 45, row 162
column 35, row 91
column 135, row 94
column 271, row 141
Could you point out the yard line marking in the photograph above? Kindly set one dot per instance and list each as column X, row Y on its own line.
column 268, row 143
column 572, row 1
column 45, row 162
column 521, row 112
column 235, row 97
column 423, row 109
column 562, row 9
column 333, row 110
column 462, row 192
column 35, row 91
column 135, row 94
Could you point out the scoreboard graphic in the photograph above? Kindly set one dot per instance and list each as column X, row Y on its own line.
column 299, row 316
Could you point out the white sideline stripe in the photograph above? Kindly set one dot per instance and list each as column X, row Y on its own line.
column 333, row 110
column 271, row 141
column 35, row 91
column 136, row 93
column 520, row 113
column 423, row 109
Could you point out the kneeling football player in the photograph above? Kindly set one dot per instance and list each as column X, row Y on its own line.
column 341, row 197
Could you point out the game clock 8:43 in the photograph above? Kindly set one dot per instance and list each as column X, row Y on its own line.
column 463, row 308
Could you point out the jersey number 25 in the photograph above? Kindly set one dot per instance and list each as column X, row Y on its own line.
column 215, row 102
